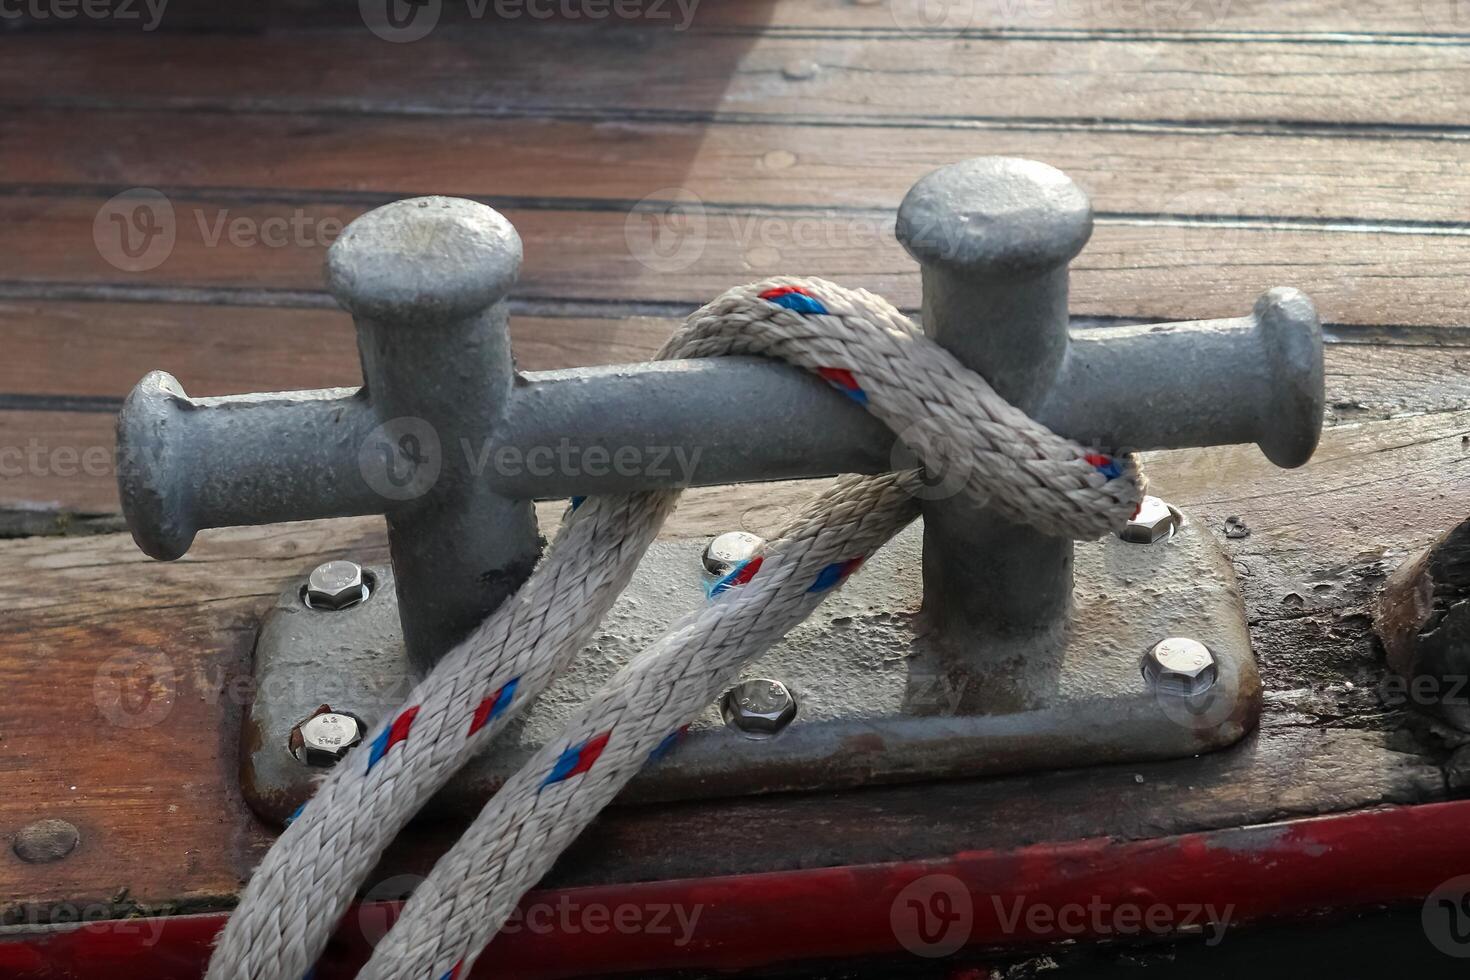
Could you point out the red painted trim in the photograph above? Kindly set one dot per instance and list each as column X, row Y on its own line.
column 1274, row 871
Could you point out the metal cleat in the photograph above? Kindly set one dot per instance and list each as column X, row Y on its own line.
column 1020, row 650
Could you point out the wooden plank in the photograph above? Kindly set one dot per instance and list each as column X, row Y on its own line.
column 1314, row 529
column 1143, row 268
column 63, row 353
column 156, row 648
column 1432, row 17
column 665, row 74
column 62, row 349
column 1211, row 16
column 57, row 461
column 1152, row 17
column 1399, row 179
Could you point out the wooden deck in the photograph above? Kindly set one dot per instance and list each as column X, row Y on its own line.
column 1229, row 147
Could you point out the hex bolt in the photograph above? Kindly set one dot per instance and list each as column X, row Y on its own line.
column 1180, row 666
column 324, row 738
column 758, row 708
column 1156, row 520
column 336, row 585
column 728, row 550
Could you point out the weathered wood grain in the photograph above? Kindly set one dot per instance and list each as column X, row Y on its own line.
column 1196, row 16
column 58, row 462
column 134, row 666
column 102, row 349
column 1212, row 18
column 628, row 73
column 1423, row 620
column 1397, row 179
column 1144, row 268
column 59, row 350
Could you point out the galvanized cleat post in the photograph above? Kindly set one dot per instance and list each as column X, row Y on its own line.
column 993, row 236
column 425, row 281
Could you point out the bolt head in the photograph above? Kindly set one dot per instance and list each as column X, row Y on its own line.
column 1180, row 665
column 336, row 585
column 995, row 218
column 728, row 550
column 45, row 841
column 325, row 737
column 1155, row 521
column 758, row 708
column 424, row 262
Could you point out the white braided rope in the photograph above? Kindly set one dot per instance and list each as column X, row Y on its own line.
column 949, row 416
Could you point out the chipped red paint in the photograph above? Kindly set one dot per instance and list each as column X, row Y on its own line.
column 1274, row 871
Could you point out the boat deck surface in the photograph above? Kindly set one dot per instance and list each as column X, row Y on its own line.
column 1228, row 148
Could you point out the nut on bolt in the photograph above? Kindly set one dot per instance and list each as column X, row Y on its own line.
column 728, row 550
column 1155, row 521
column 1181, row 666
column 758, row 708
column 325, row 737
column 336, row 585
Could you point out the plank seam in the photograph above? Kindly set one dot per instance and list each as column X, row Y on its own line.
column 1243, row 126
column 609, row 205
column 1367, row 334
column 1120, row 35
